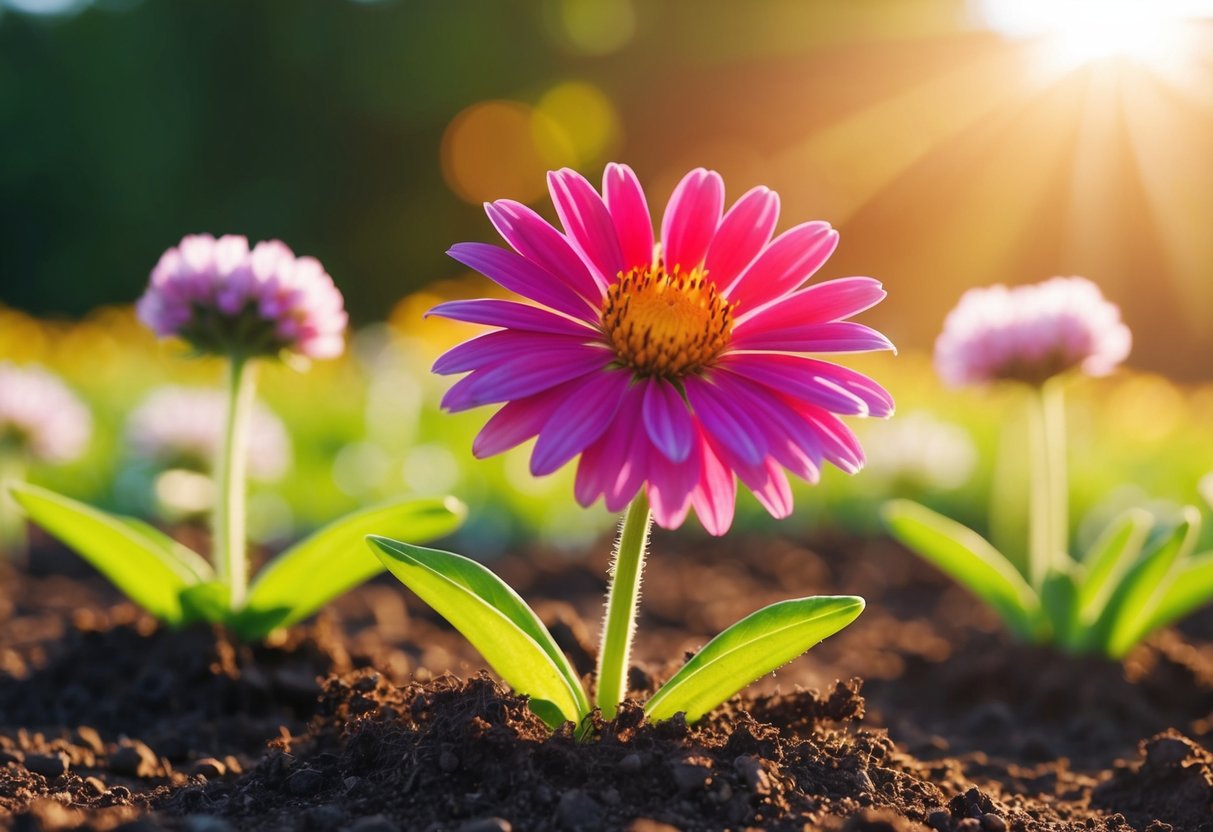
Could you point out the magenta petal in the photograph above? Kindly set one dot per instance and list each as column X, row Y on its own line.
column 587, row 224
column 519, row 420
column 691, row 218
column 770, row 486
column 534, row 239
column 715, row 497
column 820, row 303
column 523, row 375
column 670, row 488
column 838, row 442
column 790, row 438
column 827, row 385
column 725, row 421
column 743, row 232
column 787, row 262
column 518, row 274
column 630, row 213
column 510, row 314
column 493, row 347
column 837, row 336
column 667, row 420
column 617, row 463
column 581, row 419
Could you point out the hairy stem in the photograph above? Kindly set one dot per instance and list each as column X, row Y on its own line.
column 228, row 521
column 623, row 599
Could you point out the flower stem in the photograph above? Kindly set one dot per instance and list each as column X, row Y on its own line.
column 1049, row 507
column 230, row 557
column 623, row 598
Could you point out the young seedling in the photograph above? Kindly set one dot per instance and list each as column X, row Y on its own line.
column 1137, row 577
column 670, row 371
column 247, row 306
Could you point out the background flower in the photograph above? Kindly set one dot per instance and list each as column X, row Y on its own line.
column 670, row 367
column 40, row 416
column 1030, row 333
column 181, row 427
column 223, row 298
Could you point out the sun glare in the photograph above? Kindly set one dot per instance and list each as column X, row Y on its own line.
column 1078, row 32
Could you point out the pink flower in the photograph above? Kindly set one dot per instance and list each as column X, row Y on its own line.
column 223, row 298
column 39, row 416
column 183, row 427
column 670, row 368
column 1031, row 333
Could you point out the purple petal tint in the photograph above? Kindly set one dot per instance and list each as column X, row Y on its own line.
column 224, row 298
column 40, row 416
column 1031, row 333
column 671, row 369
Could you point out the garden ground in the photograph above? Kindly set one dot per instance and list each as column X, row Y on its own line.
column 920, row 716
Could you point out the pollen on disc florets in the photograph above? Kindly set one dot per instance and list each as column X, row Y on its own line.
column 666, row 324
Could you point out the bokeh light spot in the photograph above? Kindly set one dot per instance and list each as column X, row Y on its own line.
column 586, row 118
column 498, row 148
column 593, row 27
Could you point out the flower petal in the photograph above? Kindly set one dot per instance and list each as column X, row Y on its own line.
column 616, row 465
column 534, row 239
column 791, row 439
column 581, row 419
column 838, row 442
column 820, row 303
column 488, row 349
column 742, row 234
column 725, row 421
column 786, row 263
column 630, row 214
column 667, row 420
column 518, row 274
column 587, row 224
column 670, row 488
column 522, row 375
column 511, row 315
column 715, row 497
column 836, row 336
column 519, row 420
column 827, row 385
column 691, row 218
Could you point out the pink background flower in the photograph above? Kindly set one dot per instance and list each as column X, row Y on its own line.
column 40, row 415
column 222, row 297
column 1030, row 333
column 673, row 364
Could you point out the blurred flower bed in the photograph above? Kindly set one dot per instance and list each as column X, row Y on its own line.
column 367, row 427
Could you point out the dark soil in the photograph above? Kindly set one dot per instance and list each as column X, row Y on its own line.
column 354, row 722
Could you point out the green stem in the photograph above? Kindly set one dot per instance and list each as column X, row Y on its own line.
column 1054, row 413
column 1048, row 510
column 230, row 556
column 13, row 541
column 623, row 598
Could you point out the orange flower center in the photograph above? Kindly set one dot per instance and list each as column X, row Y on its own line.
column 663, row 324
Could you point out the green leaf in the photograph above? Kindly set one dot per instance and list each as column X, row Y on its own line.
column 968, row 559
column 757, row 644
column 1190, row 589
column 494, row 619
column 207, row 601
column 316, row 570
column 1106, row 563
column 145, row 564
column 1127, row 616
column 1059, row 601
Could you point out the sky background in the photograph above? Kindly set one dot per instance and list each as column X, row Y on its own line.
column 954, row 144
